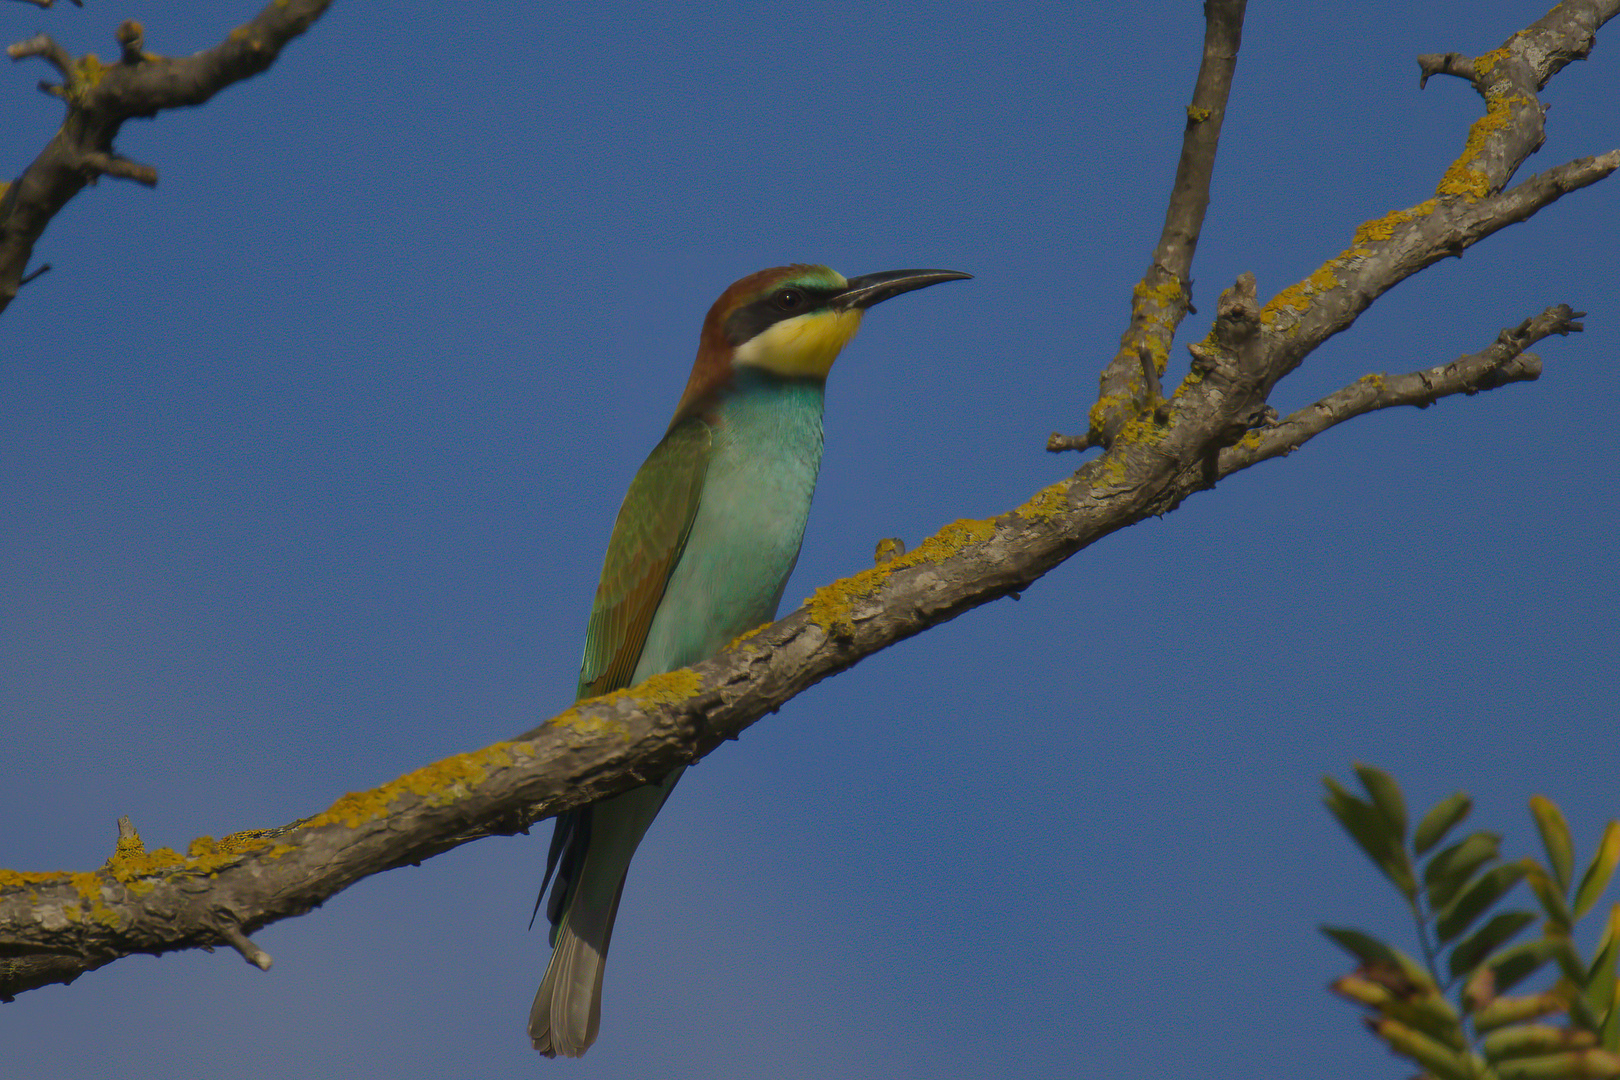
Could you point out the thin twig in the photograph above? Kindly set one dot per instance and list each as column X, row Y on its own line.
column 121, row 167
column 1057, row 443
column 1444, row 64
column 131, row 37
column 43, row 45
column 237, row 940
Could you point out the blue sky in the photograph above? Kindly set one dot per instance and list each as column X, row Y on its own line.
column 310, row 454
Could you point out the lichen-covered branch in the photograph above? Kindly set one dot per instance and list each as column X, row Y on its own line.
column 54, row 926
column 100, row 97
column 1470, row 202
column 1504, row 361
column 1164, row 295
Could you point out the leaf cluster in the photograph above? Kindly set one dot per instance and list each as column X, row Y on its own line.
column 1455, row 1014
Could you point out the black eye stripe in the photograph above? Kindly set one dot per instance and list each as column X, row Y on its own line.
column 753, row 319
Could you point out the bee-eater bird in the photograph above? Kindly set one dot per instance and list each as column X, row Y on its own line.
column 701, row 551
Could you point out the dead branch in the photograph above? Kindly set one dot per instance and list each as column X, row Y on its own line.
column 100, row 97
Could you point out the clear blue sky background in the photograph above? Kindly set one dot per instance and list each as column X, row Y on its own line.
column 308, row 458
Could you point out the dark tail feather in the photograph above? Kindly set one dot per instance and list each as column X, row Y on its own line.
column 570, row 836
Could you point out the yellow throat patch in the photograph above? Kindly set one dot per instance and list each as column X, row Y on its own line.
column 803, row 346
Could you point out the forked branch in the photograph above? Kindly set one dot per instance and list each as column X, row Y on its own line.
column 1504, row 361
column 100, row 97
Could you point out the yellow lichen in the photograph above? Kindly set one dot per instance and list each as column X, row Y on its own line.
column 88, row 886
column 1152, row 306
column 1464, row 178
column 890, row 547
column 127, row 846
column 1110, row 471
column 746, row 634
column 1049, row 502
column 139, row 870
column 1166, row 292
column 1298, row 297
column 1374, row 380
column 1105, row 406
column 668, row 688
column 1485, row 63
column 1383, row 228
column 1139, row 428
column 131, row 860
column 90, row 71
column 831, row 606
column 590, row 725
column 246, row 840
column 19, row 879
column 1197, row 116
column 435, row 784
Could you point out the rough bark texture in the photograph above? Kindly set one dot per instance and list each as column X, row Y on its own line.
column 100, row 97
column 55, row 926
column 1164, row 296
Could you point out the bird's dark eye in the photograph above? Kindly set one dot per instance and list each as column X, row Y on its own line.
column 788, row 299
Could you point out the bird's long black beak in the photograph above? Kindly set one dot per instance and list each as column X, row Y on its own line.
column 869, row 289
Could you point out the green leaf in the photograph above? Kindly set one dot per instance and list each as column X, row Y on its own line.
column 1552, row 900
column 1374, row 833
column 1367, row 949
column 1386, row 796
column 1531, row 1040
column 1475, row 898
column 1600, row 978
column 1591, row 1064
column 1471, row 952
column 1450, row 870
column 1516, row 1010
column 1600, row 992
column 1435, row 1057
column 1569, row 961
column 1598, row 874
column 1517, row 963
column 1439, row 821
column 1582, row 1016
column 1555, row 837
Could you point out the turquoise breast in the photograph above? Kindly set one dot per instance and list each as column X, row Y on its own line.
column 749, row 524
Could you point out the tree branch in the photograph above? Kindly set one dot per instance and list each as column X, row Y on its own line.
column 1164, row 295
column 55, row 926
column 101, row 97
column 1466, row 207
column 1504, row 361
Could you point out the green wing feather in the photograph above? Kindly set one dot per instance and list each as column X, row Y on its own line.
column 647, row 542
